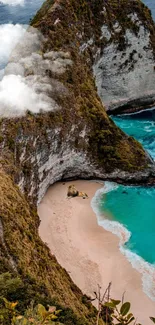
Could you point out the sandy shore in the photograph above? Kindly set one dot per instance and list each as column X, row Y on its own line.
column 88, row 252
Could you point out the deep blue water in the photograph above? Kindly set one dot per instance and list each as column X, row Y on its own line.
column 19, row 14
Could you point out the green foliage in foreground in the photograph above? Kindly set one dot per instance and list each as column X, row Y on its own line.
column 19, row 296
column 38, row 315
column 121, row 314
column 34, row 315
column 113, row 312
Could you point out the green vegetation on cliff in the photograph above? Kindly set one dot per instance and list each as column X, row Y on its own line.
column 77, row 22
column 28, row 270
column 109, row 312
column 88, row 16
column 34, row 274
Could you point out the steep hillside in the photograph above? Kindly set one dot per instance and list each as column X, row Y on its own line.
column 119, row 39
column 70, row 137
column 22, row 253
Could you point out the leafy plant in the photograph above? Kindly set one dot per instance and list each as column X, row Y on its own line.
column 153, row 319
column 113, row 311
column 34, row 315
column 121, row 314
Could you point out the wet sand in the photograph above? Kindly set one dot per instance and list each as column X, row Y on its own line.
column 89, row 253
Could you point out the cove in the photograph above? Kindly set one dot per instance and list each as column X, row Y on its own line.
column 131, row 210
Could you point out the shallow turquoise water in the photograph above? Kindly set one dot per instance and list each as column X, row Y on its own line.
column 134, row 208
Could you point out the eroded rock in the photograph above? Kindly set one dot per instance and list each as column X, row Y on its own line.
column 73, row 192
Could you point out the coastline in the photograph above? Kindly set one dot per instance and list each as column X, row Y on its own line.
column 88, row 252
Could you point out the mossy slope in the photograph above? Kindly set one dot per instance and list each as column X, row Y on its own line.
column 78, row 21
column 42, row 279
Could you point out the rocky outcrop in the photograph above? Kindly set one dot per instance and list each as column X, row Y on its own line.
column 125, row 75
column 73, row 192
column 64, row 133
column 41, row 150
column 121, row 48
column 72, row 136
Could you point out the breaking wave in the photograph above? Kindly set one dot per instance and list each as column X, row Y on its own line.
column 146, row 269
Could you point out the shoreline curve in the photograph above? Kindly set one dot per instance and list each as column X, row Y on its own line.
column 88, row 252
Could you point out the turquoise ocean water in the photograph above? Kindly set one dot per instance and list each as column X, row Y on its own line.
column 130, row 211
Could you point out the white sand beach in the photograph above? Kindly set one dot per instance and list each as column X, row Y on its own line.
column 89, row 253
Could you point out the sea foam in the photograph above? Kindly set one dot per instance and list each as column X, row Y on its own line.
column 146, row 269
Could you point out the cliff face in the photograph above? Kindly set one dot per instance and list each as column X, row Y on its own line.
column 124, row 65
column 67, row 134
column 119, row 39
column 125, row 76
column 73, row 137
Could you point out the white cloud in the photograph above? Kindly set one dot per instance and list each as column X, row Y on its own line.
column 16, row 97
column 28, row 84
column 10, row 35
column 1, row 73
column 13, row 2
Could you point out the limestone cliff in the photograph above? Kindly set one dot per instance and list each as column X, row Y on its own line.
column 70, row 137
column 124, row 64
column 119, row 39
column 73, row 137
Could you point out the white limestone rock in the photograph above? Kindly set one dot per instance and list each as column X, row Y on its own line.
column 126, row 76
